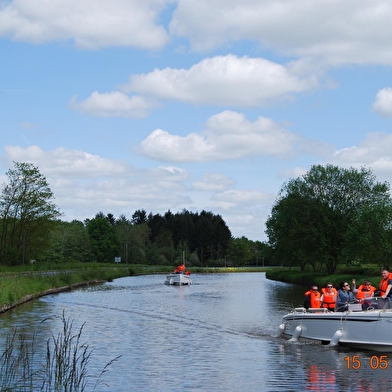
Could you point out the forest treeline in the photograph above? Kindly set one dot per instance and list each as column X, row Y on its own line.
column 31, row 231
column 326, row 219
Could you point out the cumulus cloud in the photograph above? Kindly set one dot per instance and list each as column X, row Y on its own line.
column 85, row 184
column 88, row 23
column 383, row 102
column 374, row 152
column 213, row 182
column 114, row 104
column 333, row 31
column 224, row 80
column 229, row 135
column 65, row 162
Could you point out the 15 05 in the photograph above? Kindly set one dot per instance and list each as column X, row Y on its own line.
column 375, row 362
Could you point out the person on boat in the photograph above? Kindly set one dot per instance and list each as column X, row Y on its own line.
column 385, row 284
column 364, row 292
column 345, row 296
column 329, row 296
column 180, row 269
column 312, row 298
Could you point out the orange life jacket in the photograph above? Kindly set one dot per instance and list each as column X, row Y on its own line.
column 330, row 298
column 361, row 293
column 315, row 298
column 384, row 284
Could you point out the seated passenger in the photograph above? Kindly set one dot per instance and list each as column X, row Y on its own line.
column 329, row 297
column 345, row 295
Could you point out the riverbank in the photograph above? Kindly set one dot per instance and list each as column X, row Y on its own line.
column 307, row 278
column 20, row 285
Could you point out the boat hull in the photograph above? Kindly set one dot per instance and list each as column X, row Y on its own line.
column 178, row 279
column 370, row 329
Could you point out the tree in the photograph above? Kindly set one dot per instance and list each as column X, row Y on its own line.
column 319, row 219
column 27, row 214
column 139, row 217
column 103, row 240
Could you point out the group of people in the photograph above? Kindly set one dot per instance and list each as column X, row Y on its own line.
column 338, row 300
column 181, row 270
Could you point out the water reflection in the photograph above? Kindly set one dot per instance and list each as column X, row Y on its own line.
column 215, row 335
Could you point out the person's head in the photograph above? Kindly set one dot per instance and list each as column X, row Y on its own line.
column 366, row 283
column 345, row 286
column 385, row 273
column 329, row 286
column 314, row 287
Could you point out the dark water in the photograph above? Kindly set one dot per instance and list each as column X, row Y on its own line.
column 217, row 335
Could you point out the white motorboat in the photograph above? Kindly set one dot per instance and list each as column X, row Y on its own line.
column 357, row 328
column 178, row 278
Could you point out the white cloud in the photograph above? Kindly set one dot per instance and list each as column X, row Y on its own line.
column 66, row 163
column 85, row 184
column 229, row 135
column 224, row 80
column 213, row 182
column 383, row 102
column 89, row 24
column 236, row 196
column 375, row 152
column 114, row 104
column 335, row 32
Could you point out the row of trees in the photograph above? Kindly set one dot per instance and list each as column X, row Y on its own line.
column 332, row 216
column 30, row 229
column 329, row 217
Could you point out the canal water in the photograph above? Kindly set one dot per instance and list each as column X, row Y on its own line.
column 219, row 334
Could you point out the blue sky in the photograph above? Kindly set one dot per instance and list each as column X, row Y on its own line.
column 192, row 104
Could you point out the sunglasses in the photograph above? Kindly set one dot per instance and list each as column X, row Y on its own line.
column 346, row 285
column 330, row 287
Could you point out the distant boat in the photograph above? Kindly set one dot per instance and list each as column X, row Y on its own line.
column 356, row 328
column 179, row 277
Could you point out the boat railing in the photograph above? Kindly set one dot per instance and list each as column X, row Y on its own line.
column 310, row 310
column 375, row 303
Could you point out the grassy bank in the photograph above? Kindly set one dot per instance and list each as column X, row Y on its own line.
column 18, row 285
column 23, row 283
column 308, row 277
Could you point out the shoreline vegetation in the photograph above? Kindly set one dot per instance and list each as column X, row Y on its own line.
column 20, row 285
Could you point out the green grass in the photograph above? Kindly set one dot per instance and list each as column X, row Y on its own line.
column 308, row 277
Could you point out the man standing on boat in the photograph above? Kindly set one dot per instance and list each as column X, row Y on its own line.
column 385, row 284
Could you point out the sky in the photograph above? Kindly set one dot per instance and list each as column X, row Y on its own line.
column 211, row 105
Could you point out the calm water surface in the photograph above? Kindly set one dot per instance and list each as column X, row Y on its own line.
column 215, row 335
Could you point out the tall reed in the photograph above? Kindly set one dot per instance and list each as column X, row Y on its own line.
column 64, row 367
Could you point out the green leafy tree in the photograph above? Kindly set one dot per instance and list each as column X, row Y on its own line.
column 69, row 242
column 319, row 219
column 27, row 214
column 103, row 240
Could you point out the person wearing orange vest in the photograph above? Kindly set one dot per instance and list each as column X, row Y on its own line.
column 329, row 297
column 312, row 298
column 385, row 284
column 365, row 290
